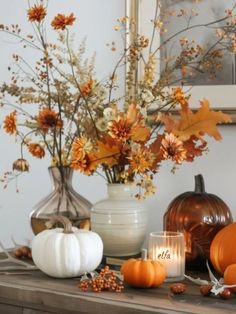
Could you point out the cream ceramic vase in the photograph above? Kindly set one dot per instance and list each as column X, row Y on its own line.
column 120, row 220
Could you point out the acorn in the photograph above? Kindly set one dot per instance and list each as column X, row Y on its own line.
column 178, row 288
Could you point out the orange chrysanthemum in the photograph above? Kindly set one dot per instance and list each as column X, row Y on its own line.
column 37, row 13
column 48, row 118
column 87, row 165
column 172, row 148
column 81, row 146
column 9, row 123
column 119, row 129
column 36, row 150
column 60, row 21
column 141, row 160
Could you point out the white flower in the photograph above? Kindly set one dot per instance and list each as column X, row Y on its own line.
column 109, row 114
column 147, row 96
column 101, row 124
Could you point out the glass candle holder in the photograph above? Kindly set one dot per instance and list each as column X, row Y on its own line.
column 168, row 248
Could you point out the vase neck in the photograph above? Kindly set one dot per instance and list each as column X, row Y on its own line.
column 61, row 177
column 120, row 191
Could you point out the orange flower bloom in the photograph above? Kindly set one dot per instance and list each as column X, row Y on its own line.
column 179, row 96
column 60, row 21
column 173, row 149
column 87, row 88
column 81, row 147
column 49, row 119
column 37, row 13
column 36, row 150
column 9, row 123
column 87, row 165
column 141, row 160
column 119, row 129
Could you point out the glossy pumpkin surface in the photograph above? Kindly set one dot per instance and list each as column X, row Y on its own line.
column 200, row 216
column 223, row 248
column 230, row 276
column 143, row 273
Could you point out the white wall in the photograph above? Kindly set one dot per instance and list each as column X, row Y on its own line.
column 95, row 19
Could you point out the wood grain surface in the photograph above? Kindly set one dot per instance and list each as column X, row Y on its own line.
column 35, row 293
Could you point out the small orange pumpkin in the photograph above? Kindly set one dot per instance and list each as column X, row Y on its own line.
column 230, row 276
column 143, row 272
column 222, row 249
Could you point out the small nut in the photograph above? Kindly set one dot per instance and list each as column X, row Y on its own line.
column 226, row 294
column 178, row 288
column 205, row 290
column 25, row 250
column 18, row 253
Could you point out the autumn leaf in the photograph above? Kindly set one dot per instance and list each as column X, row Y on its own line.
column 140, row 133
column 169, row 122
column 107, row 154
column 132, row 114
column 201, row 122
column 194, row 148
column 155, row 149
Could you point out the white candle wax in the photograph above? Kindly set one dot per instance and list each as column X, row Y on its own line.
column 171, row 261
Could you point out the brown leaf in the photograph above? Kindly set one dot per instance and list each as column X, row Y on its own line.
column 201, row 122
column 194, row 148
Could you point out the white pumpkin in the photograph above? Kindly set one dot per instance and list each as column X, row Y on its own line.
column 68, row 252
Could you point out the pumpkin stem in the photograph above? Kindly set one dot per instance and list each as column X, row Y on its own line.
column 63, row 220
column 144, row 254
column 199, row 184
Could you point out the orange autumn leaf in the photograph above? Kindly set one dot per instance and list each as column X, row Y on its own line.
column 170, row 122
column 107, row 154
column 140, row 133
column 133, row 114
column 155, row 149
column 201, row 122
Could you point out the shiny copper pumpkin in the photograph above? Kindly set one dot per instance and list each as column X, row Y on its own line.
column 199, row 215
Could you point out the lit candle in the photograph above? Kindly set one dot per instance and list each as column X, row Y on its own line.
column 168, row 248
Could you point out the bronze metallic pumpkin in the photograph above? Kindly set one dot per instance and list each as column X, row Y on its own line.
column 199, row 215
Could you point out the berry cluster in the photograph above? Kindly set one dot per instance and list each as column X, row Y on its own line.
column 106, row 280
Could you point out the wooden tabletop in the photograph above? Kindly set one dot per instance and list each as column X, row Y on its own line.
column 33, row 292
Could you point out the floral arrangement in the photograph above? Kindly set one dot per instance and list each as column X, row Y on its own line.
column 77, row 119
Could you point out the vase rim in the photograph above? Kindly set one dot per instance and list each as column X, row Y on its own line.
column 120, row 184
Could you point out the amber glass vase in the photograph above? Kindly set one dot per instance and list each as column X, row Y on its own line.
column 63, row 200
column 199, row 215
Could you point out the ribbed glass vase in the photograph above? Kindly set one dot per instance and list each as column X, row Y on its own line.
column 63, row 200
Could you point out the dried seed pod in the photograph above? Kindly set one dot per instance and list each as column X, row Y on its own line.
column 226, row 294
column 178, row 288
column 205, row 290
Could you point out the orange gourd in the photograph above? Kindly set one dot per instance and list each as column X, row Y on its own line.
column 222, row 249
column 230, row 276
column 143, row 272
